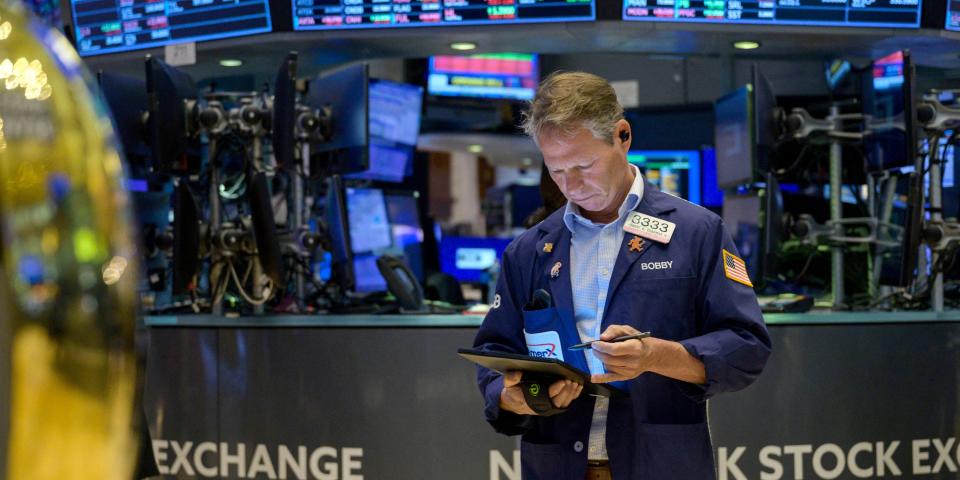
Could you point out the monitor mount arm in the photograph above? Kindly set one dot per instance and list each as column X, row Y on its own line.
column 936, row 118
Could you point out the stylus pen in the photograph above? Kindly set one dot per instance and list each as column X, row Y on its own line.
column 586, row 345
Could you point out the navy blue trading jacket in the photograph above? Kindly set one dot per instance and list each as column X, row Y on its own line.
column 660, row 430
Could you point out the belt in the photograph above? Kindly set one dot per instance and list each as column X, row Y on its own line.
column 598, row 470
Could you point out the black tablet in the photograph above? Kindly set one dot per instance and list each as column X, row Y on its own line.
column 508, row 362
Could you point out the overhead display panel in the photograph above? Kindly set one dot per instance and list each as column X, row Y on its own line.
column 335, row 14
column 109, row 26
column 848, row 13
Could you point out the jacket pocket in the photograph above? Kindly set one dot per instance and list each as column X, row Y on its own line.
column 542, row 332
column 675, row 451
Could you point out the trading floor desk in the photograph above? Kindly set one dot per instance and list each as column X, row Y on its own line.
column 845, row 395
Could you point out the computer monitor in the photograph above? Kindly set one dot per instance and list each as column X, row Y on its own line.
column 469, row 258
column 403, row 239
column 676, row 172
column 186, row 239
column 887, row 94
column 407, row 230
column 368, row 221
column 284, row 110
column 264, row 227
column 711, row 195
column 395, row 111
column 733, row 138
column 389, row 162
column 343, row 94
column 127, row 99
column 766, row 122
column 341, row 252
column 513, row 76
column 394, row 128
column 755, row 220
column 168, row 91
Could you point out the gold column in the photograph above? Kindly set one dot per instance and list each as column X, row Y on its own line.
column 68, row 272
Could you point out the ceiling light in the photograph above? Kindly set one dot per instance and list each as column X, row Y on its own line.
column 231, row 62
column 475, row 148
column 462, row 46
column 746, row 45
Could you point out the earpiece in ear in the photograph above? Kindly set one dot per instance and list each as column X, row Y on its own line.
column 624, row 135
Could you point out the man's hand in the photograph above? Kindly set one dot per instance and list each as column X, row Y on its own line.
column 627, row 360
column 562, row 393
column 623, row 360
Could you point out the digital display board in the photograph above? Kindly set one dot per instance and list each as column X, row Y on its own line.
column 953, row 15
column 332, row 14
column 109, row 26
column 849, row 13
column 486, row 75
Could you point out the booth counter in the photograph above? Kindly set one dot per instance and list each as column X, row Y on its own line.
column 844, row 395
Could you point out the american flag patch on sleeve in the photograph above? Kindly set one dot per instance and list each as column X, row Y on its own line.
column 735, row 269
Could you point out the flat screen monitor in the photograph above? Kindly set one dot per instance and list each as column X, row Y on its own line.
column 902, row 14
column 676, row 172
column 400, row 234
column 395, row 111
column 512, row 76
column 469, row 258
column 888, row 90
column 733, row 138
column 127, row 98
column 337, row 218
column 741, row 215
column 369, row 224
column 168, row 92
column 344, row 93
column 388, row 162
column 110, row 26
column 711, row 194
column 953, row 15
column 339, row 14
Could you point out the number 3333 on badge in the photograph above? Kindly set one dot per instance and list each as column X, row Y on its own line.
column 652, row 228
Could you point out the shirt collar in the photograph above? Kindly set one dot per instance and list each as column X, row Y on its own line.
column 572, row 212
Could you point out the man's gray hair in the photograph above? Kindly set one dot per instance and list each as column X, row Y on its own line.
column 567, row 101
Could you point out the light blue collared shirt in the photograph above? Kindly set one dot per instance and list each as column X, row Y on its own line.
column 593, row 253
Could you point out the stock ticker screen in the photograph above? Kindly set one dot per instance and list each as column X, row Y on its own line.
column 848, row 13
column 333, row 14
column 109, row 26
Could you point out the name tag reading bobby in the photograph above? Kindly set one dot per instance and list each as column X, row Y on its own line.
column 649, row 227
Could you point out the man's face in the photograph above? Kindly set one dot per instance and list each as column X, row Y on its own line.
column 589, row 171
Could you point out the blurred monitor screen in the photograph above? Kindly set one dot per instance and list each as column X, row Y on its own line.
column 369, row 224
column 109, row 26
column 397, row 232
column 488, row 75
column 388, row 163
column 884, row 99
column 676, row 172
column 337, row 14
column 469, row 258
column 711, row 195
column 733, row 139
column 395, row 111
column 953, row 15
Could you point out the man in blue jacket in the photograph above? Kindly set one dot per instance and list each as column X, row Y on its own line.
column 619, row 259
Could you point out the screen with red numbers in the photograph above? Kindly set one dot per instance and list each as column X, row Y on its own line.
column 851, row 13
column 108, row 26
column 332, row 14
